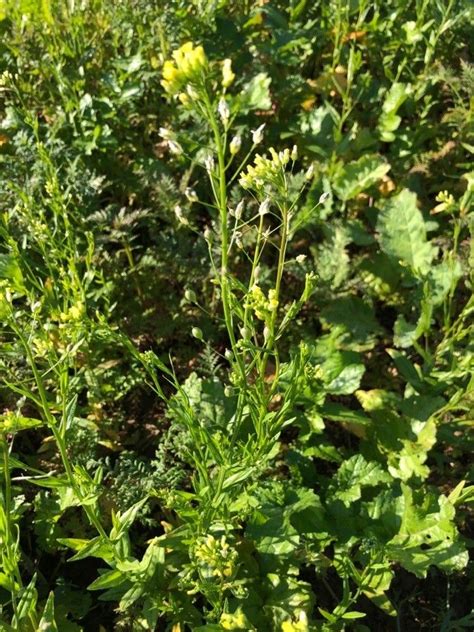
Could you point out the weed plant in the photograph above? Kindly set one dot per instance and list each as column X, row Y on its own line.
column 236, row 296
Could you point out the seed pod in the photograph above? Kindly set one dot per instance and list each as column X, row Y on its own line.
column 190, row 295
column 197, row 333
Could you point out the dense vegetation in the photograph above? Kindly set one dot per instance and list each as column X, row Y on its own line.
column 236, row 300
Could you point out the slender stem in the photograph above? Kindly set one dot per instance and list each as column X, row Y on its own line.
column 93, row 518
column 221, row 199
column 9, row 527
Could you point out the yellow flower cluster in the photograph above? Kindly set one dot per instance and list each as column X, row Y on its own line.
column 265, row 170
column 74, row 313
column 296, row 626
column 215, row 558
column 234, row 621
column 188, row 64
column 262, row 306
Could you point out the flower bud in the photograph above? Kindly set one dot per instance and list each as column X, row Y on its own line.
column 227, row 75
column 228, row 391
column 178, row 211
column 228, row 355
column 190, row 296
column 300, row 258
column 264, row 207
column 191, row 194
column 257, row 134
column 223, row 110
column 175, row 148
column 324, row 196
column 197, row 333
column 309, row 173
column 239, row 210
column 165, row 133
column 192, row 94
column 266, row 333
column 245, row 333
column 235, row 145
column 209, row 164
column 294, row 153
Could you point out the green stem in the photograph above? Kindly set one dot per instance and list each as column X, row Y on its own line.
column 221, row 200
column 51, row 421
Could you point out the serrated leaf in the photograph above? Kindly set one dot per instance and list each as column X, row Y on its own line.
column 356, row 473
column 360, row 175
column 427, row 535
column 342, row 373
column 402, row 233
column 356, row 316
column 331, row 257
column 389, row 121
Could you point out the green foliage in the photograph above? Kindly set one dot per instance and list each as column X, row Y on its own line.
column 237, row 382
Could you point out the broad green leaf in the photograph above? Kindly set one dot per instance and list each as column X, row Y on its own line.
column 7, row 582
column 342, row 373
column 338, row 412
column 402, row 233
column 404, row 333
column 389, row 121
column 409, row 371
column 256, row 95
column 442, row 278
column 331, row 257
column 356, row 473
column 356, row 316
column 130, row 597
column 360, row 175
column 409, row 461
column 353, row 614
column 427, row 534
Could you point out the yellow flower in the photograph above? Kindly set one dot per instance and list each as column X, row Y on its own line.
column 235, row 621
column 265, row 170
column 272, row 301
column 185, row 69
column 261, row 305
column 170, row 72
column 299, row 626
column 227, row 75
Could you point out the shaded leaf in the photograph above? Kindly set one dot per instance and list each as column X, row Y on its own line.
column 402, row 233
